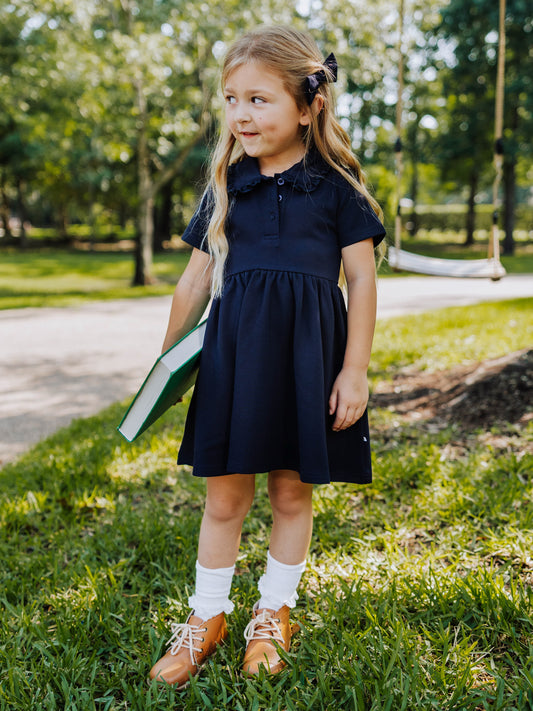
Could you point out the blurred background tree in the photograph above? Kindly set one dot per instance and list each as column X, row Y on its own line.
column 108, row 110
column 469, row 82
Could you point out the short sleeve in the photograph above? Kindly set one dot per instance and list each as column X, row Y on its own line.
column 356, row 220
column 196, row 231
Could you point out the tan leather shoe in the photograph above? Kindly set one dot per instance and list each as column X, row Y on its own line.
column 266, row 630
column 191, row 644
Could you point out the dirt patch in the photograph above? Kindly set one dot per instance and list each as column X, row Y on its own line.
column 494, row 392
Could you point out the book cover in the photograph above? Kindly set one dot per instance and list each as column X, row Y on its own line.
column 173, row 373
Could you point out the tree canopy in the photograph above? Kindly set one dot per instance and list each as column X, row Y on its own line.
column 109, row 108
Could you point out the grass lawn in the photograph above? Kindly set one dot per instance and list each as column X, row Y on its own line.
column 54, row 277
column 418, row 594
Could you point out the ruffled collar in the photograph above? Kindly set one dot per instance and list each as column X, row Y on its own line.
column 305, row 175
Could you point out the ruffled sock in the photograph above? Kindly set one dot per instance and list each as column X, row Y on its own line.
column 278, row 585
column 211, row 593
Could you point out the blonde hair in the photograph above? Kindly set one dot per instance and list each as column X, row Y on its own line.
column 293, row 55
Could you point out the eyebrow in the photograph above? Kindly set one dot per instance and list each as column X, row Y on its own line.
column 252, row 92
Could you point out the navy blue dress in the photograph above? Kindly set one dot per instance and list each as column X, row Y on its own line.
column 275, row 339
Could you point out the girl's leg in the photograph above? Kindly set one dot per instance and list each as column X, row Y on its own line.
column 228, row 501
column 292, row 510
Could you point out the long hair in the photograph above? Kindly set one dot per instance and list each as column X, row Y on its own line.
column 293, row 55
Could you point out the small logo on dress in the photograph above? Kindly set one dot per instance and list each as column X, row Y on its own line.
column 364, row 439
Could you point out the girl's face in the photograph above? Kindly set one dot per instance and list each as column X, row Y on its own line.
column 264, row 117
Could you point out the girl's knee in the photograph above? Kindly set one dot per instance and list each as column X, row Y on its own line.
column 228, row 503
column 289, row 496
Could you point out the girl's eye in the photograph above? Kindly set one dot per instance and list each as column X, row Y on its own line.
column 257, row 100
column 230, row 100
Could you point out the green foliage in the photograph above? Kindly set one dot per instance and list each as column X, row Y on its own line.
column 467, row 143
column 81, row 83
column 452, row 218
column 417, row 594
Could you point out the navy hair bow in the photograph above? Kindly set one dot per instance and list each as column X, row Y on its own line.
column 313, row 81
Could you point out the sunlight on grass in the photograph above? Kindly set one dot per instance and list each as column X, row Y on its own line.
column 452, row 336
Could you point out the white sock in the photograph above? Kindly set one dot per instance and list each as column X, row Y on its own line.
column 278, row 585
column 211, row 594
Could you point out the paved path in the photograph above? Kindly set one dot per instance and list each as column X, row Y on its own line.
column 58, row 364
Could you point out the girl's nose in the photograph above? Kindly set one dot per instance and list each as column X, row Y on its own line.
column 242, row 115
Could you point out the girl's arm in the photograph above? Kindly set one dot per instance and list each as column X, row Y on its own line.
column 349, row 396
column 190, row 299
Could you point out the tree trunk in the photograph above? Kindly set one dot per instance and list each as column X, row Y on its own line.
column 509, row 190
column 471, row 211
column 163, row 217
column 149, row 186
column 145, row 237
column 509, row 197
column 23, row 237
column 62, row 223
column 145, row 216
column 4, row 210
column 413, row 219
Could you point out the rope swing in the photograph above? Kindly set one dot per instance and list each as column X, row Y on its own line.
column 400, row 259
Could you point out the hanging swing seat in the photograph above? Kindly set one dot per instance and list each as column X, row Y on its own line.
column 491, row 268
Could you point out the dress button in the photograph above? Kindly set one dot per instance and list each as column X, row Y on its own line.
column 280, row 197
column 281, row 181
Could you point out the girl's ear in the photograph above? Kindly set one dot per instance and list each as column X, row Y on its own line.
column 316, row 107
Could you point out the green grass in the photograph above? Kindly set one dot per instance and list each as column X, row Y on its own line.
column 53, row 277
column 104, row 232
column 452, row 336
column 418, row 593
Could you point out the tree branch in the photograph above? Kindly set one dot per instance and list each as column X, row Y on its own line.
column 166, row 174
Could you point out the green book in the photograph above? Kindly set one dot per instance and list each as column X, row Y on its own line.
column 172, row 375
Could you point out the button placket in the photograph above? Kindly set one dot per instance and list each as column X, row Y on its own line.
column 272, row 221
column 280, row 181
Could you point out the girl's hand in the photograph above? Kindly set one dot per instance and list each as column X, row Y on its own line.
column 349, row 398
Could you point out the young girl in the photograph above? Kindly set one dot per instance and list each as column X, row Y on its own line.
column 282, row 386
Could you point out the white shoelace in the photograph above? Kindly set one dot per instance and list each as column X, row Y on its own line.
column 264, row 626
column 185, row 635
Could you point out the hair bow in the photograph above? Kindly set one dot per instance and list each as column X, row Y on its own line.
column 313, row 81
